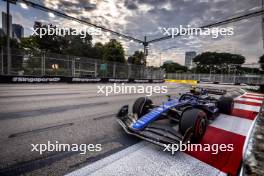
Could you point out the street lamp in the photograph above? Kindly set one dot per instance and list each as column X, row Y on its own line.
column 23, row 5
column 51, row 15
column 55, row 66
column 160, row 59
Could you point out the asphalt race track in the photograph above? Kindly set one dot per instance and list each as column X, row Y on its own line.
column 75, row 113
column 67, row 113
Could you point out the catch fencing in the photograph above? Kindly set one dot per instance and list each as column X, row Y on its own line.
column 48, row 64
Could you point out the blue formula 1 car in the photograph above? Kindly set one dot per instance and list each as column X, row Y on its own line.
column 181, row 119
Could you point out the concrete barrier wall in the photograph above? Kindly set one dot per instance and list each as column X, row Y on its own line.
column 64, row 79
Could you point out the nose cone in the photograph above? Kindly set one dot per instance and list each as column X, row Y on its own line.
column 137, row 126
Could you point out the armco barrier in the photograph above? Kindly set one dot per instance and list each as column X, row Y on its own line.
column 181, row 81
column 64, row 79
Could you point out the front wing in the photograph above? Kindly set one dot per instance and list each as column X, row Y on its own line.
column 158, row 133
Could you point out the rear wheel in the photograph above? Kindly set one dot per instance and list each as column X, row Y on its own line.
column 196, row 121
column 226, row 105
column 142, row 106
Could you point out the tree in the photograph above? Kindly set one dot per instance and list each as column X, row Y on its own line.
column 77, row 46
column 98, row 50
column 47, row 43
column 173, row 67
column 261, row 61
column 137, row 58
column 29, row 45
column 16, row 54
column 67, row 44
column 13, row 43
column 114, row 51
column 218, row 62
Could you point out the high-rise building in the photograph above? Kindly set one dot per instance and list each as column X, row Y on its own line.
column 4, row 23
column 18, row 31
column 1, row 32
column 189, row 56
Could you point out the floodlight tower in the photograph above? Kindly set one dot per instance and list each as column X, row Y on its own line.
column 8, row 33
column 146, row 46
column 8, row 37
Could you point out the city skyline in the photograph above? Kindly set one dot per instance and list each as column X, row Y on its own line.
column 17, row 29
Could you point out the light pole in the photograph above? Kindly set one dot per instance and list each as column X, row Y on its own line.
column 145, row 45
column 9, row 62
column 160, row 60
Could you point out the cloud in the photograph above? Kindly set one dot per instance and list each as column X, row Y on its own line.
column 140, row 18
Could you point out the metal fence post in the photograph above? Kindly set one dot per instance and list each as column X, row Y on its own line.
column 68, row 66
column 129, row 71
column 143, row 75
column 73, row 67
column 95, row 69
column 114, row 70
column 43, row 64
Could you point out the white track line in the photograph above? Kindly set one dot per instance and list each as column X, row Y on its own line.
column 254, row 94
column 251, row 96
column 232, row 123
column 147, row 159
column 248, row 100
column 247, row 107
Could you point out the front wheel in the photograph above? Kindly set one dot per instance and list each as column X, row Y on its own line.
column 226, row 105
column 142, row 106
column 196, row 120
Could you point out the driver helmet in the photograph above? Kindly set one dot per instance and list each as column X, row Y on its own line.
column 193, row 89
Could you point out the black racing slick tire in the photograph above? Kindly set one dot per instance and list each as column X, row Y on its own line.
column 196, row 121
column 141, row 106
column 226, row 105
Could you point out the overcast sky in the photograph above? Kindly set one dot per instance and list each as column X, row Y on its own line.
column 144, row 17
